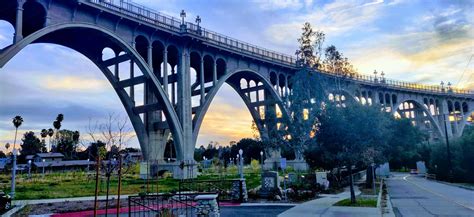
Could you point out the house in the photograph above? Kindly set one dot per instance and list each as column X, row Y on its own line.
column 132, row 156
column 52, row 161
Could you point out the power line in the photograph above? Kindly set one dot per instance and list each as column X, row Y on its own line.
column 462, row 75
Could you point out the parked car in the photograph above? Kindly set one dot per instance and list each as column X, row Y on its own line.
column 5, row 201
column 413, row 171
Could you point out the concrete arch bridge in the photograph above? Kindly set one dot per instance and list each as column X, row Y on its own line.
column 182, row 66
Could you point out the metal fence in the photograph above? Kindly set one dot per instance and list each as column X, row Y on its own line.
column 225, row 188
column 163, row 205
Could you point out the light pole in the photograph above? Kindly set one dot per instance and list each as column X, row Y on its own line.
column 261, row 159
column 29, row 169
column 241, row 152
column 15, row 152
column 373, row 177
column 447, row 147
column 43, row 166
column 198, row 21
column 88, row 160
column 183, row 15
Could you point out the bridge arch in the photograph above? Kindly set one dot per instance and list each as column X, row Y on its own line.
column 418, row 105
column 51, row 33
column 235, row 79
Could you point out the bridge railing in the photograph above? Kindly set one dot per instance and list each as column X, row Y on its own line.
column 145, row 14
column 148, row 15
column 382, row 81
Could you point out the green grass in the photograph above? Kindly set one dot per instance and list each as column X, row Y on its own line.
column 80, row 184
column 360, row 202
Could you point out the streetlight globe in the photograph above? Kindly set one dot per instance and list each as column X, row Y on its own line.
column 237, row 155
column 29, row 161
column 261, row 153
column 44, row 160
column 241, row 151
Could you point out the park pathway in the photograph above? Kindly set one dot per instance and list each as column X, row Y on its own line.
column 324, row 207
column 416, row 196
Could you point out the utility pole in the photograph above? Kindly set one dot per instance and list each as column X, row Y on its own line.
column 450, row 168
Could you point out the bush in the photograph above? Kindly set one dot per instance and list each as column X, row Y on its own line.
column 462, row 158
column 255, row 165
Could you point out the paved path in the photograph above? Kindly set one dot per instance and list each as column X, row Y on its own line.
column 323, row 207
column 416, row 196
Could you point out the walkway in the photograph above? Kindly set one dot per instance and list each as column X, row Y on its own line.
column 323, row 207
column 416, row 196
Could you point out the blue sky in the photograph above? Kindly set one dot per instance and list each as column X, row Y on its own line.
column 412, row 40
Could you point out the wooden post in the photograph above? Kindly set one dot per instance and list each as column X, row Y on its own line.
column 119, row 184
column 97, row 163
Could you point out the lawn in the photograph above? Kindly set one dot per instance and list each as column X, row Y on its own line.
column 80, row 184
column 360, row 202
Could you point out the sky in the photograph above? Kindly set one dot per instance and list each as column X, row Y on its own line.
column 412, row 40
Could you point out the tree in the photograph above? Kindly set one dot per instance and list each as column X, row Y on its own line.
column 304, row 107
column 405, row 144
column 349, row 135
column 50, row 134
column 44, row 134
column 57, row 126
column 309, row 51
column 67, row 142
column 17, row 121
column 31, row 145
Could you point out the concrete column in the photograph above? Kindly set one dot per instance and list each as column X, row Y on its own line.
column 201, row 77
column 278, row 84
column 173, row 88
column 19, row 23
column 444, row 118
column 165, row 71
column 214, row 73
column 150, row 57
column 185, row 106
column 132, row 75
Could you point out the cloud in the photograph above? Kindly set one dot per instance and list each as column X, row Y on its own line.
column 281, row 4
column 226, row 120
column 74, row 83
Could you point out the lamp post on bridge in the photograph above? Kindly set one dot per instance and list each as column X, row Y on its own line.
column 183, row 25
column 198, row 21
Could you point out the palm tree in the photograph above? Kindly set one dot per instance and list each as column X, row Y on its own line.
column 50, row 134
column 17, row 121
column 44, row 134
column 57, row 125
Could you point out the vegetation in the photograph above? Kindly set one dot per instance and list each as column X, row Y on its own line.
column 462, row 158
column 361, row 202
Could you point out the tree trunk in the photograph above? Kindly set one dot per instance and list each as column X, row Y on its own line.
column 351, row 180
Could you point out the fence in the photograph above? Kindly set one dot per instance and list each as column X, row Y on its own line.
column 162, row 205
column 227, row 189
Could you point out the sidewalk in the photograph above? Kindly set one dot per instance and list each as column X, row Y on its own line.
column 323, row 207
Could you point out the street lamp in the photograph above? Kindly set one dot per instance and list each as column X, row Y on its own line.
column 88, row 162
column 442, row 86
column 29, row 169
column 183, row 15
column 14, row 152
column 261, row 159
column 241, row 152
column 449, row 86
column 43, row 166
column 375, row 75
